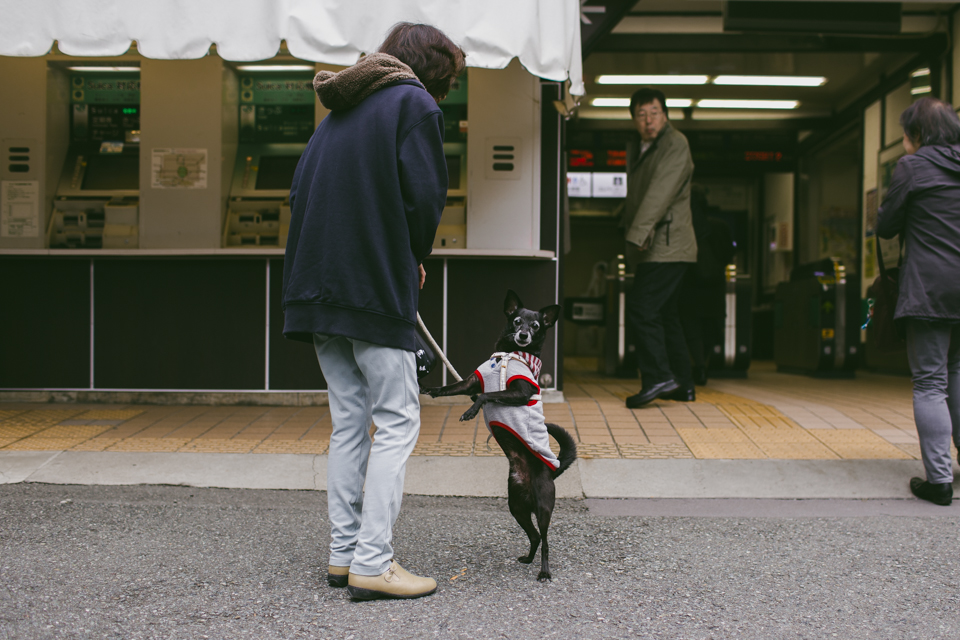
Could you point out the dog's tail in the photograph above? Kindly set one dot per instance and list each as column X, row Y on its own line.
column 568, row 447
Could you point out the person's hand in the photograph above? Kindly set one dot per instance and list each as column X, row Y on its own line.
column 423, row 276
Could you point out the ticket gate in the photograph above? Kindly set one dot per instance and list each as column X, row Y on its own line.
column 619, row 353
column 731, row 352
column 731, row 358
column 815, row 316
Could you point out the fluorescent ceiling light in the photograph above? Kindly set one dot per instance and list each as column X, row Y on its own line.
column 748, row 104
column 667, row 79
column 771, row 81
column 753, row 115
column 674, row 103
column 610, row 102
column 105, row 69
column 920, row 72
column 275, row 67
column 918, row 90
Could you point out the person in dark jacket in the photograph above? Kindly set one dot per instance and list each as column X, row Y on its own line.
column 365, row 204
column 923, row 206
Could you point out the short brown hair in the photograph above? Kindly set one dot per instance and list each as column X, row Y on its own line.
column 434, row 58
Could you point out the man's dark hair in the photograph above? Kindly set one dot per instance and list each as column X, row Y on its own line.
column 929, row 122
column 646, row 95
column 434, row 58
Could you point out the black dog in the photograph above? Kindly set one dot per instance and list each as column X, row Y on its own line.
column 506, row 388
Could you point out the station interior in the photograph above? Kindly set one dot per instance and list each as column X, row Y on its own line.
column 143, row 172
column 796, row 172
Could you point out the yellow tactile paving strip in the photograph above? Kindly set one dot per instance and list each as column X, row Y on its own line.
column 767, row 416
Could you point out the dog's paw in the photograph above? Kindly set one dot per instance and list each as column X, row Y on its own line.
column 469, row 414
column 525, row 559
column 433, row 392
column 544, row 576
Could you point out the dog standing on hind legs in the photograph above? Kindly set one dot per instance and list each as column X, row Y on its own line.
column 506, row 388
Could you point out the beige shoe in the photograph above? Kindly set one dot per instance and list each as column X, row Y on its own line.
column 397, row 582
column 337, row 576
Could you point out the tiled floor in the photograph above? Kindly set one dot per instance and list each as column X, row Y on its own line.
column 767, row 415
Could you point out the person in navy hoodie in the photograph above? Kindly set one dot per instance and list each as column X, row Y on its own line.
column 365, row 204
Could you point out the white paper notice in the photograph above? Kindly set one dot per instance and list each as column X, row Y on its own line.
column 19, row 209
column 578, row 184
column 179, row 169
column 609, row 185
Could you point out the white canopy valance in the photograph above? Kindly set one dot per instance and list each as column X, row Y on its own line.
column 543, row 34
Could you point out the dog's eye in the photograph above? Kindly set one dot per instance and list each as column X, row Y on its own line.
column 517, row 321
column 536, row 327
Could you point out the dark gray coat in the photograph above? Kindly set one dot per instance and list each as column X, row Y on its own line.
column 923, row 203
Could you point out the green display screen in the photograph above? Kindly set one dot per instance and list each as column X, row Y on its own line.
column 277, row 108
column 105, row 88
column 265, row 88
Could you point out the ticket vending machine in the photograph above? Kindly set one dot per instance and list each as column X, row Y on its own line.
column 277, row 118
column 452, row 232
column 97, row 199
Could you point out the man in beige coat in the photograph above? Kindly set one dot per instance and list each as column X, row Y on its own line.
column 661, row 245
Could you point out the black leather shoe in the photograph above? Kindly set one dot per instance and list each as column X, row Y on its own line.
column 700, row 376
column 680, row 395
column 651, row 393
column 941, row 494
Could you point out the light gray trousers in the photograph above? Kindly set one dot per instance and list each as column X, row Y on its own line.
column 933, row 349
column 367, row 382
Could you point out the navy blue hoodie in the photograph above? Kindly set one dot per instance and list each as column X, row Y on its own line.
column 365, row 203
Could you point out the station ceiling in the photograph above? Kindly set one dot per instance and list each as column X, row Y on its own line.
column 687, row 37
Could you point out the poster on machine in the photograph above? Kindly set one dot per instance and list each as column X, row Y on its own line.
column 178, row 169
column 19, row 208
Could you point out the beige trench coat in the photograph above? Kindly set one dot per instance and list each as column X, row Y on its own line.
column 657, row 213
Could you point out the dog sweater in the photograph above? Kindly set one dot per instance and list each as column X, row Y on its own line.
column 525, row 422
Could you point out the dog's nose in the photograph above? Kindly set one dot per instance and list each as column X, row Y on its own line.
column 524, row 336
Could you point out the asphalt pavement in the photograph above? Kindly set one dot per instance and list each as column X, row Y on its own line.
column 143, row 561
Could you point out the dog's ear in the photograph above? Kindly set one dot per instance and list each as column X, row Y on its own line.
column 550, row 315
column 511, row 303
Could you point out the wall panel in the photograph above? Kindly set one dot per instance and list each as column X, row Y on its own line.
column 44, row 323
column 179, row 324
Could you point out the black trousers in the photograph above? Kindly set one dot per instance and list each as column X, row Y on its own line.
column 653, row 314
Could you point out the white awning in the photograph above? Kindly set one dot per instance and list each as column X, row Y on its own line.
column 543, row 34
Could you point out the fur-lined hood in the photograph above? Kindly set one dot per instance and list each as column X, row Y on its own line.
column 350, row 87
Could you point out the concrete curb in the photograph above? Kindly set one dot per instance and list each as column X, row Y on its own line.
column 480, row 477
column 211, row 398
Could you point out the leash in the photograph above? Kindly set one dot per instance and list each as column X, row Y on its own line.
column 436, row 349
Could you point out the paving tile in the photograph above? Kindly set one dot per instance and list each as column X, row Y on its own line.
column 96, row 444
column 215, row 445
column 655, row 451
column 595, row 450
column 37, row 443
column 60, row 431
column 725, row 450
column 149, row 444
column 110, row 414
column 292, row 446
column 860, row 444
column 711, row 436
column 797, row 450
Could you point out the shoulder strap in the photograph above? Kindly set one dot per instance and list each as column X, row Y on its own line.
column 880, row 265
